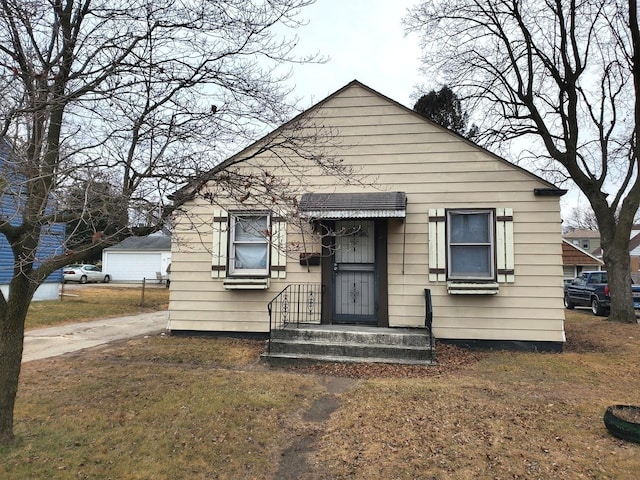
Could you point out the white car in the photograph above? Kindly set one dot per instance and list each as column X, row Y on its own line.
column 84, row 274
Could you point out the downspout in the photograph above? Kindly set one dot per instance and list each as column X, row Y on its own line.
column 404, row 234
column 404, row 241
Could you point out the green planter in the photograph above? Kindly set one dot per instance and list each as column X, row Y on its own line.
column 617, row 422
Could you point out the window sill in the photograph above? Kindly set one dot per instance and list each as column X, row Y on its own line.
column 246, row 283
column 471, row 288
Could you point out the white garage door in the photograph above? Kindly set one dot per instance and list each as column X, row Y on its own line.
column 129, row 266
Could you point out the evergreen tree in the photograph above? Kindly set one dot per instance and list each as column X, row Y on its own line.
column 444, row 108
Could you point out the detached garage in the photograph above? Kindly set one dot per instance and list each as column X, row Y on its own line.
column 136, row 258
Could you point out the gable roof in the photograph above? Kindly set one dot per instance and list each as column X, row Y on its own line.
column 573, row 255
column 634, row 243
column 582, row 233
column 155, row 241
column 189, row 190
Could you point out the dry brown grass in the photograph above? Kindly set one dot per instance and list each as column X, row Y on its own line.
column 173, row 407
column 137, row 410
column 508, row 415
column 88, row 302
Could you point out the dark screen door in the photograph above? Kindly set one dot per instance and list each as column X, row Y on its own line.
column 354, row 272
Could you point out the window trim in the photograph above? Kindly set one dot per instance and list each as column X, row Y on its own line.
column 231, row 269
column 491, row 225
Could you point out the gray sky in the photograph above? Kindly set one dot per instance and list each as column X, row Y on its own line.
column 363, row 40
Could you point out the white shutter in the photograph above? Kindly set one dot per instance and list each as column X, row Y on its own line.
column 504, row 245
column 437, row 245
column 278, row 247
column 220, row 238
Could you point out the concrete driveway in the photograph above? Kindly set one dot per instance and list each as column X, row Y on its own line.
column 53, row 341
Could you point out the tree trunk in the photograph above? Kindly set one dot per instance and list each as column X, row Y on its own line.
column 618, row 265
column 11, row 345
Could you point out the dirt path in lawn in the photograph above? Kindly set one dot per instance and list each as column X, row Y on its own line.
column 294, row 461
column 339, row 378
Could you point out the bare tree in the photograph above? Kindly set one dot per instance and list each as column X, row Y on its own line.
column 125, row 100
column 581, row 218
column 562, row 74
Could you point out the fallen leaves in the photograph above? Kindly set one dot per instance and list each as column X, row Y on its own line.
column 449, row 359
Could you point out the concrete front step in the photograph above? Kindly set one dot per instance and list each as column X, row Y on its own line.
column 355, row 334
column 350, row 349
column 284, row 359
column 349, row 343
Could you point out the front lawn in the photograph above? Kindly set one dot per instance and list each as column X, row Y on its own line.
column 89, row 302
column 171, row 407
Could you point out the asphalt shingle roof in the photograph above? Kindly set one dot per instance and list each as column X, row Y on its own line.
column 150, row 242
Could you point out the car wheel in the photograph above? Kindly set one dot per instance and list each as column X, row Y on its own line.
column 596, row 308
column 569, row 305
column 107, row 279
column 83, row 279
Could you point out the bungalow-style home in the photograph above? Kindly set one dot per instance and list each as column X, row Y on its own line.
column 634, row 254
column 575, row 260
column 590, row 238
column 51, row 239
column 410, row 226
column 138, row 258
column 587, row 240
column 50, row 245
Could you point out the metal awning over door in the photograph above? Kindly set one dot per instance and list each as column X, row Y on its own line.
column 354, row 205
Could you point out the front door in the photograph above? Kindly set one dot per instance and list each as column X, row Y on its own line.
column 354, row 272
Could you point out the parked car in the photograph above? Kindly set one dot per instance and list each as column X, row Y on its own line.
column 591, row 289
column 84, row 274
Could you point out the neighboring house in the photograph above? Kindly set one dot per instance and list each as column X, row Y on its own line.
column 426, row 209
column 634, row 254
column 575, row 260
column 138, row 258
column 51, row 239
column 587, row 240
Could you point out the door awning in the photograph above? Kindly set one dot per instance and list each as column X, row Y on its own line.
column 354, row 205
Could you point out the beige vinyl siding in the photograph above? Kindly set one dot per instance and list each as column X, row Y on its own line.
column 199, row 302
column 397, row 150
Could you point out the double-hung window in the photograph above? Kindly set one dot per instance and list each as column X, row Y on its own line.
column 249, row 244
column 248, row 248
column 472, row 249
column 471, row 245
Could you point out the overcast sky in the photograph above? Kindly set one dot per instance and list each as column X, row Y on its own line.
column 363, row 40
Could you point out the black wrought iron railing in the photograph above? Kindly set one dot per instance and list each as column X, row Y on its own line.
column 301, row 304
column 428, row 317
column 295, row 305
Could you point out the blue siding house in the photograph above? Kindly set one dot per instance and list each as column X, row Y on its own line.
column 51, row 239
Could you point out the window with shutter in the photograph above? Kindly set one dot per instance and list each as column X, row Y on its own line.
column 278, row 247
column 248, row 245
column 504, row 245
column 471, row 246
column 249, row 238
column 437, row 245
column 472, row 249
column 220, row 236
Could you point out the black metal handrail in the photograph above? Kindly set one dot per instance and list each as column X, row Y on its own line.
column 295, row 305
column 428, row 317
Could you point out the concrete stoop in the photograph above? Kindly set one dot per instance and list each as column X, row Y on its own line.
column 350, row 344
